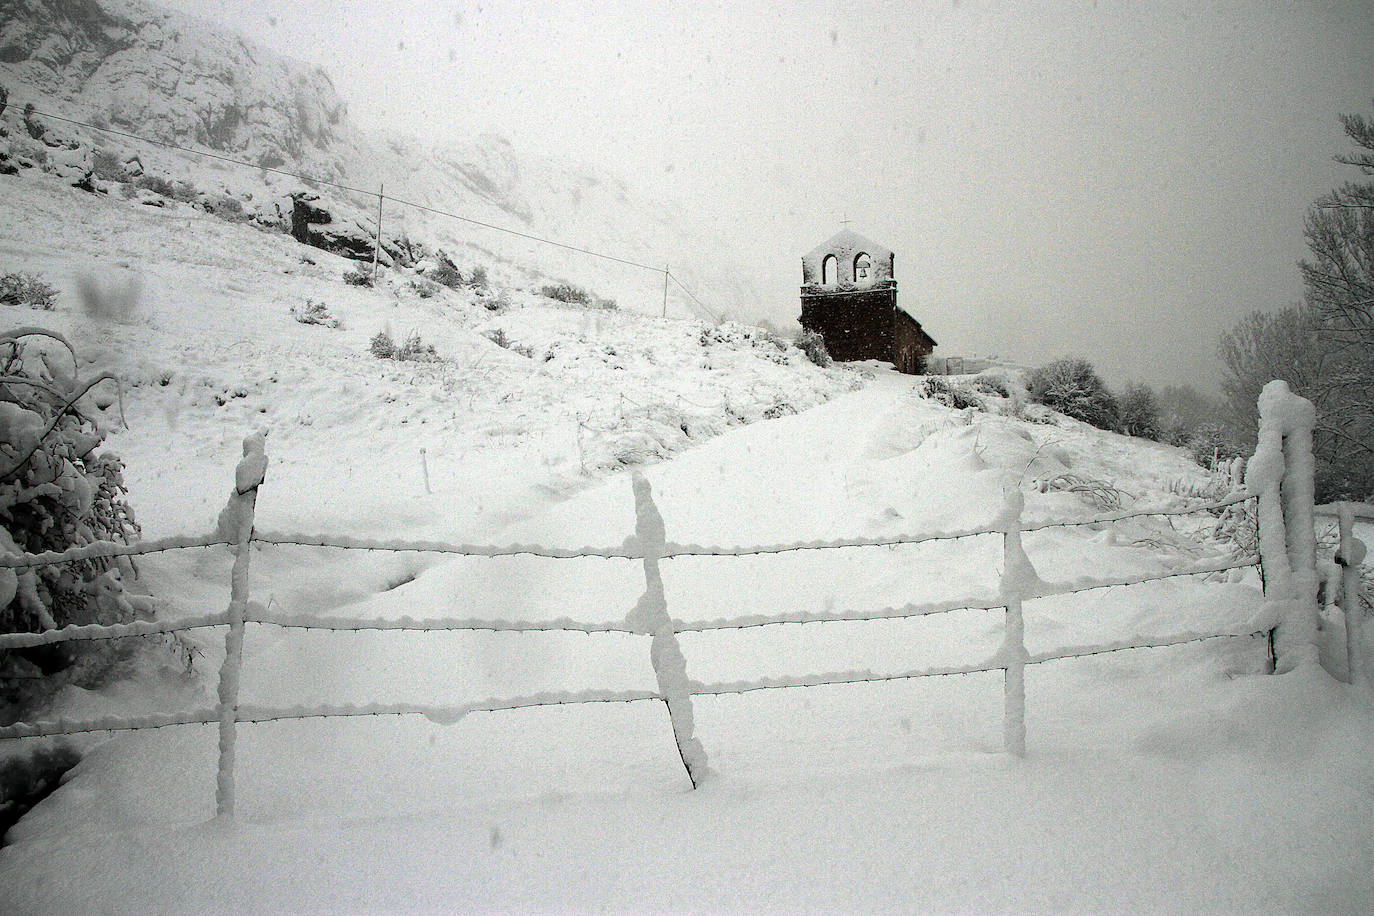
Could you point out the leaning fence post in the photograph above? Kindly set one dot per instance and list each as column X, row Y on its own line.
column 1018, row 575
column 1349, row 556
column 236, row 522
column 665, row 654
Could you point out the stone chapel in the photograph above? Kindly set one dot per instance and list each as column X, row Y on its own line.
column 849, row 297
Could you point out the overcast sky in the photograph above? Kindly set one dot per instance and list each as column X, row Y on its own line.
column 1120, row 181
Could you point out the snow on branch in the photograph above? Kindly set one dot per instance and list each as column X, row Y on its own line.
column 91, row 631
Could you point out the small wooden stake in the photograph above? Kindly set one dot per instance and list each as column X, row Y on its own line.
column 377, row 247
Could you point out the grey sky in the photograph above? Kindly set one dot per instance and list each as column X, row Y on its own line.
column 1119, row 181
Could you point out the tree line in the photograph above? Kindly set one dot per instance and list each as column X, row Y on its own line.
column 1323, row 346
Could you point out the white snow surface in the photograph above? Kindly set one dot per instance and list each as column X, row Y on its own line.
column 1179, row 779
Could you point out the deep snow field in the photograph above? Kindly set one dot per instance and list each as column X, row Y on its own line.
column 1180, row 779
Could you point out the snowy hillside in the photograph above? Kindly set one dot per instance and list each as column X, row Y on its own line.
column 138, row 69
column 208, row 348
column 1177, row 779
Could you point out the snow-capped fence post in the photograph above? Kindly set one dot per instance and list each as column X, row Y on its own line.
column 236, row 522
column 651, row 616
column 1349, row 555
column 1280, row 472
column 1018, row 575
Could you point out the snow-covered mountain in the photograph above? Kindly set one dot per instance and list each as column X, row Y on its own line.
column 143, row 70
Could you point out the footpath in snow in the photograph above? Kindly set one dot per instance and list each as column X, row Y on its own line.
column 1177, row 779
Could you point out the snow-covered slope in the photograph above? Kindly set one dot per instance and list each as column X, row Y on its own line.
column 1171, row 780
column 142, row 70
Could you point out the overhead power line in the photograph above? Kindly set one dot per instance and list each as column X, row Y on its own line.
column 354, row 190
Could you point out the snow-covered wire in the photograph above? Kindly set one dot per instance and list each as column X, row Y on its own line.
column 1087, row 583
column 899, row 612
column 66, row 726
column 1232, row 500
column 442, row 714
column 1141, row 642
column 340, row 623
column 92, row 631
column 108, row 549
column 855, row 676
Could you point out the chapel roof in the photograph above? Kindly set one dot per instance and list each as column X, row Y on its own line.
column 847, row 240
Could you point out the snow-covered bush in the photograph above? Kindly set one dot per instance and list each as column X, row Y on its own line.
column 416, row 350
column 26, row 289
column 154, row 183
column 950, row 394
column 1072, row 387
column 108, row 165
column 1139, row 412
column 813, row 345
column 445, row 274
column 423, row 288
column 990, row 384
column 566, row 292
column 478, row 278
column 382, row 346
column 493, row 301
column 498, row 337
column 313, row 312
column 56, row 492
column 360, row 275
column 412, row 349
column 1209, row 444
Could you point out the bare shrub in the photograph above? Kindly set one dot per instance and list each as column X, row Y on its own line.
column 156, row 184
column 313, row 312
column 360, row 275
column 423, row 288
column 498, row 337
column 108, row 166
column 28, row 290
column 566, row 292
column 416, row 350
column 446, row 274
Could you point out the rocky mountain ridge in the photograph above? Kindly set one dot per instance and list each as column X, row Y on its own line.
column 131, row 67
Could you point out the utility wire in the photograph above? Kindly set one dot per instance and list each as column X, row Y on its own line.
column 343, row 187
column 712, row 315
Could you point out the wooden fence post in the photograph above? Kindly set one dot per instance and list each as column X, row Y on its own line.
column 665, row 654
column 1017, row 576
column 236, row 521
column 1349, row 556
column 1281, row 474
